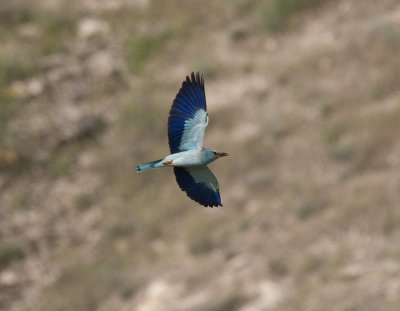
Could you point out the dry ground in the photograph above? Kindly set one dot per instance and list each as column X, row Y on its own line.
column 305, row 97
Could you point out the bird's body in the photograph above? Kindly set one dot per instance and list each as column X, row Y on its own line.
column 187, row 124
column 184, row 158
column 188, row 158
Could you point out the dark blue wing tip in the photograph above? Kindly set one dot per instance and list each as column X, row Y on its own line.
column 197, row 191
column 194, row 79
column 217, row 201
column 212, row 200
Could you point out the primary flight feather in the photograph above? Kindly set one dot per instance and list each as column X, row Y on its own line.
column 187, row 123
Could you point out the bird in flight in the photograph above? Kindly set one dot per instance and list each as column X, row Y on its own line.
column 187, row 122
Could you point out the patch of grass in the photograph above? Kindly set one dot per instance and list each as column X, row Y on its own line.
column 20, row 200
column 141, row 115
column 142, row 48
column 57, row 27
column 333, row 131
column 8, row 254
column 6, row 111
column 62, row 163
column 56, row 24
column 12, row 69
column 274, row 15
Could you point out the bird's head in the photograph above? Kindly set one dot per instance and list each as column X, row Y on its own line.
column 210, row 155
column 219, row 154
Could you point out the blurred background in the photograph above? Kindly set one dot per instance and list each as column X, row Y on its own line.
column 303, row 94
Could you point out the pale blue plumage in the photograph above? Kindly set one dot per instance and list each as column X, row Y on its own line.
column 187, row 123
column 193, row 131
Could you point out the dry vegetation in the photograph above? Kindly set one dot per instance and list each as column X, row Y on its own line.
column 305, row 97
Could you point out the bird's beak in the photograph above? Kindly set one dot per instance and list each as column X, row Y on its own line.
column 221, row 154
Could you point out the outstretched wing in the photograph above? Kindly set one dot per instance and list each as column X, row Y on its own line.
column 188, row 117
column 199, row 183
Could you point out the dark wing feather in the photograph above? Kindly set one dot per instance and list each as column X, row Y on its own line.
column 190, row 98
column 200, row 184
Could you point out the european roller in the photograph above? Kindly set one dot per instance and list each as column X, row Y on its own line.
column 187, row 122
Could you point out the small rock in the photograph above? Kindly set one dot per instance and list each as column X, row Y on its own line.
column 89, row 27
column 160, row 295
column 269, row 296
column 8, row 278
column 29, row 31
column 101, row 64
column 31, row 87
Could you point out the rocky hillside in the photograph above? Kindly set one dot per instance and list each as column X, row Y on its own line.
column 305, row 97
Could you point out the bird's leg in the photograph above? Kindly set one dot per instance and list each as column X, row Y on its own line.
column 168, row 162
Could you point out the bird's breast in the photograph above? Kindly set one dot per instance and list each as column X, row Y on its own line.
column 185, row 158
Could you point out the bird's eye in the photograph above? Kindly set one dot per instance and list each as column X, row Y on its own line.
column 214, row 153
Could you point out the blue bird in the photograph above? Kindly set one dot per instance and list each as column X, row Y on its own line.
column 187, row 122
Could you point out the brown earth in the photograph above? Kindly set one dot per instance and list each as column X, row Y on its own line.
column 304, row 96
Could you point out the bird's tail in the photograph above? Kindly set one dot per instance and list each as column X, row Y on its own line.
column 147, row 166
